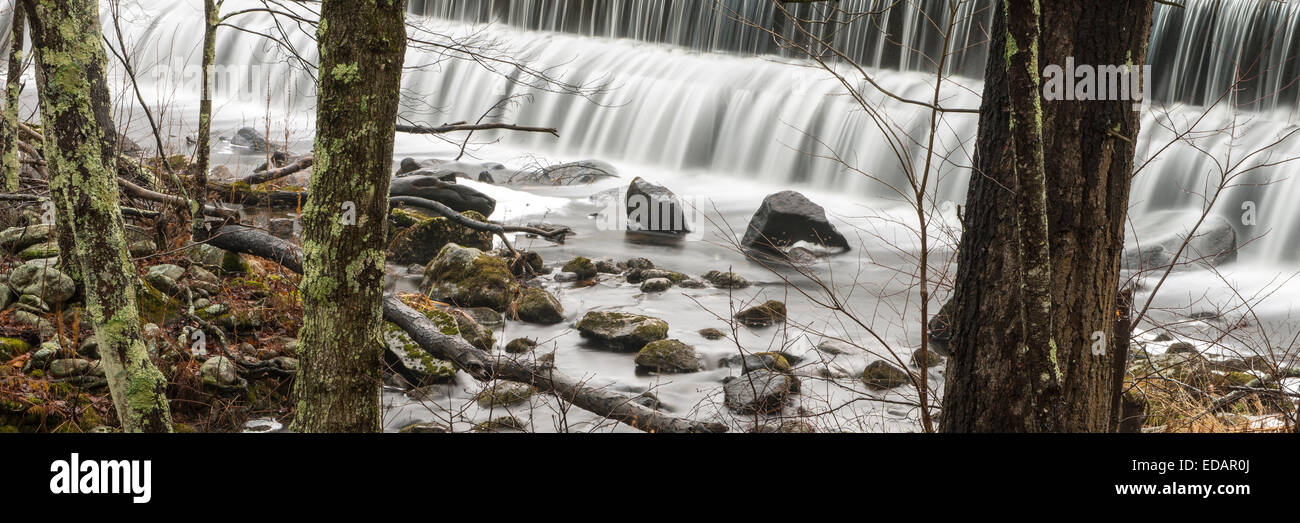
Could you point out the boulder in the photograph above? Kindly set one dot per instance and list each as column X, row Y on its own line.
column 621, row 331
column 40, row 251
column 786, row 218
column 639, row 264
column 582, row 267
column 216, row 259
column 725, row 280
column 412, row 362
column 656, row 285
column 16, row 239
column 761, row 391
column 165, row 278
column 940, row 326
column 767, row 314
column 654, row 208
column 11, row 348
column 504, row 393
column 250, row 139
column 220, row 372
column 573, row 173
column 758, row 361
column 480, row 337
column 469, row 278
column 422, row 241
column 712, row 334
column 535, row 305
column 460, row 198
column 1160, row 234
column 521, row 345
column 922, row 359
column 882, row 375
column 47, row 283
column 667, row 356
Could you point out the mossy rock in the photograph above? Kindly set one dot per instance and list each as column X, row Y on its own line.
column 477, row 335
column 930, row 359
column 882, row 375
column 640, row 275
column 17, row 239
column 583, row 267
column 421, row 242
column 725, row 280
column 621, row 331
column 773, row 361
column 469, row 278
column 767, row 314
column 521, row 345
column 535, row 305
column 667, row 356
column 217, row 260
column 712, row 334
column 40, row 251
column 505, row 393
column 11, row 348
column 500, row 424
column 761, row 391
column 411, row 361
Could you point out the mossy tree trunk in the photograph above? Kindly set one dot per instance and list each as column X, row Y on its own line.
column 1034, row 343
column 362, row 49
column 82, row 166
column 9, row 125
column 211, row 17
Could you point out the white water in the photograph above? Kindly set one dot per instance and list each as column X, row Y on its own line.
column 731, row 129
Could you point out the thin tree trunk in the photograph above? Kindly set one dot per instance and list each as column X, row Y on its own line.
column 9, row 128
column 211, row 15
column 83, row 182
column 362, row 48
column 1008, row 301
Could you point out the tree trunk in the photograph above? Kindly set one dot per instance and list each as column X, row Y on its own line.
column 211, row 17
column 998, row 379
column 83, row 183
column 362, row 49
column 9, row 126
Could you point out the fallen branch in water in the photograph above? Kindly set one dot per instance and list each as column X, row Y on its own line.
column 462, row 126
column 479, row 364
column 135, row 191
column 280, row 172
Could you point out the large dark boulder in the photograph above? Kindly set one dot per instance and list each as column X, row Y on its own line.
column 428, row 185
column 786, row 218
column 654, row 208
column 1160, row 234
column 250, row 139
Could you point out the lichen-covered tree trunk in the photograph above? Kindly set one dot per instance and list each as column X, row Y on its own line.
column 83, row 182
column 362, row 48
column 995, row 381
column 9, row 125
column 211, row 14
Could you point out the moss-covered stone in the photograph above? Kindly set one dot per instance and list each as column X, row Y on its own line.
column 931, row 359
column 712, row 334
column 521, row 345
column 469, row 278
column 218, row 260
column 667, row 356
column 500, row 424
column 726, row 280
column 764, row 315
column 422, row 241
column 11, row 348
column 622, row 331
column 504, row 394
column 411, row 361
column 40, row 251
column 758, row 392
column 882, row 375
column 535, row 305
column 480, row 337
column 47, row 283
column 583, row 267
column 16, row 239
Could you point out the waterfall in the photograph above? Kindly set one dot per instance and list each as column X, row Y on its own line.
column 712, row 97
column 1197, row 50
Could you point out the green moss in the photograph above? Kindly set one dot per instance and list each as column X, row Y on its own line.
column 422, row 241
column 13, row 347
column 479, row 281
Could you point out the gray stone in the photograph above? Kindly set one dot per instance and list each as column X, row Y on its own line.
column 667, row 356
column 654, row 208
column 47, row 283
column 786, row 218
column 621, row 331
column 17, row 239
column 1160, row 234
column 726, row 280
column 656, row 285
column 760, row 391
column 219, row 371
column 535, row 305
column 881, row 375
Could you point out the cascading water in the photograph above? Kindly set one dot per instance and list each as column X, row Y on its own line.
column 675, row 108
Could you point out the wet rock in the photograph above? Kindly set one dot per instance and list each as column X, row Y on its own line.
column 565, row 277
column 1181, row 348
column 422, row 241
column 424, row 427
column 460, row 198
column 940, row 326
column 250, row 139
column 656, row 285
column 574, row 173
column 485, row 317
column 786, row 427
column 621, row 331
column 1160, row 234
column 836, row 348
column 469, row 278
column 691, row 284
column 882, row 375
column 639, row 264
column 786, row 218
column 503, row 423
column 725, row 280
column 760, row 391
column 16, row 239
column 521, row 345
column 582, row 267
column 654, row 208
column 767, row 314
column 504, row 393
column 477, row 335
column 219, row 371
column 759, row 361
column 538, row 306
column 47, row 283
column 529, row 263
column 607, row 266
column 922, row 359
column 712, row 334
column 667, row 356
column 412, row 362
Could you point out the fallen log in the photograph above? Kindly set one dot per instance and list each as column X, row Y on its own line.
column 277, row 173
column 462, row 126
column 242, row 193
column 477, row 363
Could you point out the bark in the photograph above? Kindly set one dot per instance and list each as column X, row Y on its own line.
column 995, row 380
column 362, row 48
column 9, row 127
column 478, row 363
column 211, row 14
column 83, row 184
